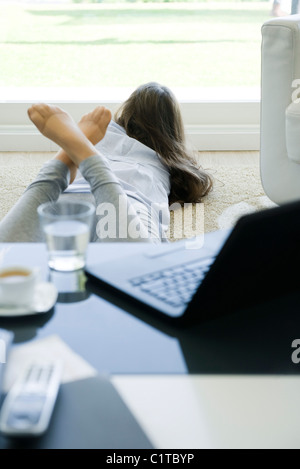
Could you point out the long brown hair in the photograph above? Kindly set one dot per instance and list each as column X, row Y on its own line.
column 152, row 116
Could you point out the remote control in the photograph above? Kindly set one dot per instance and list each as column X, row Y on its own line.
column 29, row 404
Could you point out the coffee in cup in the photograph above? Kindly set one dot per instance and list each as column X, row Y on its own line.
column 17, row 285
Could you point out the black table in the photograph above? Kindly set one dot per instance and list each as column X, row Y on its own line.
column 116, row 336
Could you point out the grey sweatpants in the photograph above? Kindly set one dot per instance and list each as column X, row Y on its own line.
column 118, row 217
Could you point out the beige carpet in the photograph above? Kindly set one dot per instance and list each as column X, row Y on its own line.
column 237, row 189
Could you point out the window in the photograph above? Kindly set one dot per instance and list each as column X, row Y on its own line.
column 82, row 53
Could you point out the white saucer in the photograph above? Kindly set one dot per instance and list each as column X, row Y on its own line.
column 44, row 299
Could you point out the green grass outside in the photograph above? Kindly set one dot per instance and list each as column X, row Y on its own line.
column 180, row 45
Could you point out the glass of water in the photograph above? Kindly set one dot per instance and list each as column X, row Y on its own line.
column 67, row 227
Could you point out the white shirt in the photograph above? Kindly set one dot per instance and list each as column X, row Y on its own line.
column 141, row 173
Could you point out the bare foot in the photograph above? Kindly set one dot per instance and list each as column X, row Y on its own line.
column 58, row 126
column 89, row 125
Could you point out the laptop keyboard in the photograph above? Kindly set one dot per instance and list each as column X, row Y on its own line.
column 176, row 285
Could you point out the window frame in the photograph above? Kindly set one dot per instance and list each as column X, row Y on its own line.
column 210, row 125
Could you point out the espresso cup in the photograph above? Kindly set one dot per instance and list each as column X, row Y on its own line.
column 17, row 284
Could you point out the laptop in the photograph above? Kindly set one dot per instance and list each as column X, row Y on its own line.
column 257, row 261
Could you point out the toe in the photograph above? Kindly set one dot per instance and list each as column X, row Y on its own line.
column 33, row 111
column 35, row 117
column 98, row 112
column 42, row 109
column 107, row 115
column 101, row 112
column 103, row 115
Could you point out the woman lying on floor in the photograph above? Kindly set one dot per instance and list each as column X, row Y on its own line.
column 138, row 164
